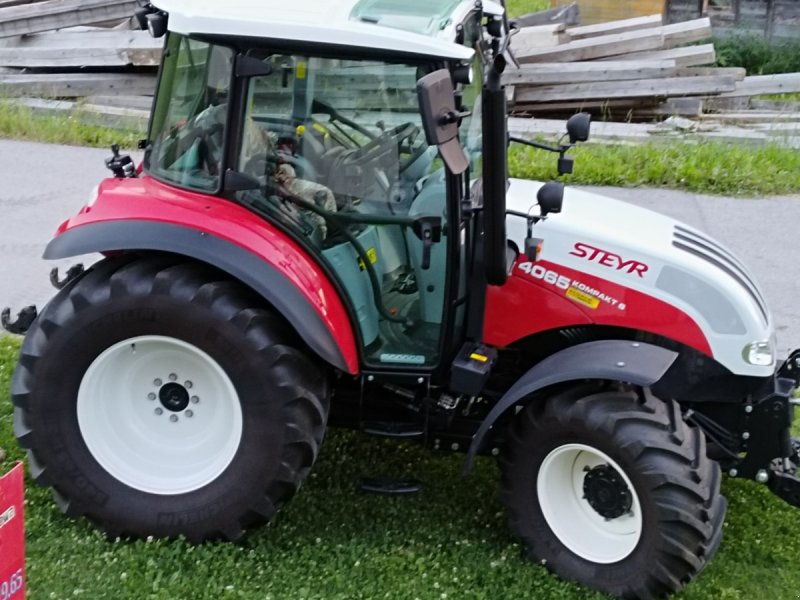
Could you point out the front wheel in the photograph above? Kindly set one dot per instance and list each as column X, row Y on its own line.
column 158, row 398
column 613, row 489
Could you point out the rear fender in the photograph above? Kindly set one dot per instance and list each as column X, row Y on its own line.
column 143, row 214
column 612, row 360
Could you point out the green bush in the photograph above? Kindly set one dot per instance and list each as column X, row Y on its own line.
column 757, row 55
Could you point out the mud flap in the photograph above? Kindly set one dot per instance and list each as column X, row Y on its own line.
column 12, row 535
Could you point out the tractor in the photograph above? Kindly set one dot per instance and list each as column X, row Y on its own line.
column 323, row 232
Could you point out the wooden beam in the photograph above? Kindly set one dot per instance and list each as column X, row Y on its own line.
column 58, row 14
column 72, row 85
column 83, row 49
column 678, row 34
column 577, row 33
column 738, row 73
column 597, row 47
column 542, row 36
column 759, row 85
column 689, row 56
column 574, row 72
column 663, row 87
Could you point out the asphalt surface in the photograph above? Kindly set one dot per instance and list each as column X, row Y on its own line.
column 42, row 185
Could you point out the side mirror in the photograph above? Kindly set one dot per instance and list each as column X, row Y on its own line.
column 578, row 127
column 440, row 119
column 550, row 197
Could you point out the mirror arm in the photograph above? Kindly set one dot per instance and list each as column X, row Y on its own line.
column 541, row 146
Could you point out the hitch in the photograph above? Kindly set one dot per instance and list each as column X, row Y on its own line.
column 783, row 481
column 25, row 319
column 73, row 272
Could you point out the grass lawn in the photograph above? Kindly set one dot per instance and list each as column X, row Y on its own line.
column 333, row 542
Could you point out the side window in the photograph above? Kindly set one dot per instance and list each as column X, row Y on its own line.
column 188, row 129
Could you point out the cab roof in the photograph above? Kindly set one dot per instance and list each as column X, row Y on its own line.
column 373, row 24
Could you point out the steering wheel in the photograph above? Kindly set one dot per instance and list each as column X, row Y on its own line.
column 391, row 138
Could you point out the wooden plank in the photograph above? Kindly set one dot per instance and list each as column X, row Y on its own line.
column 738, row 73
column 57, row 14
column 687, row 32
column 71, row 85
column 144, row 103
column 543, row 36
column 684, row 57
column 663, row 87
column 752, row 116
column 575, row 72
column 634, row 24
column 83, row 49
column 759, row 85
column 597, row 47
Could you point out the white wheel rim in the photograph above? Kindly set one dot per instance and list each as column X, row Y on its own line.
column 584, row 531
column 136, row 425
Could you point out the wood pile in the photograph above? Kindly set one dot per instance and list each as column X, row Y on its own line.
column 632, row 69
column 77, row 51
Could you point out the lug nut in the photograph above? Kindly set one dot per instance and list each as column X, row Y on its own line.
column 195, row 400
column 188, row 385
column 189, row 414
column 157, row 382
column 174, row 418
column 151, row 396
column 173, row 377
column 159, row 411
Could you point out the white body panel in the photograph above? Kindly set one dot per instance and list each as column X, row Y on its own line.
column 642, row 235
column 312, row 21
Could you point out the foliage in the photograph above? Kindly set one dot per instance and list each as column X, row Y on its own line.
column 706, row 166
column 332, row 542
column 757, row 55
column 22, row 123
column 520, row 7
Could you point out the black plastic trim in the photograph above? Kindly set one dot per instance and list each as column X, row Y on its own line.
column 245, row 266
column 612, row 360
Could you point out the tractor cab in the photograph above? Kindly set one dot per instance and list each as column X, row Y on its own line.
column 332, row 149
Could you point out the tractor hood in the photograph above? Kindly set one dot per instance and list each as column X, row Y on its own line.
column 648, row 252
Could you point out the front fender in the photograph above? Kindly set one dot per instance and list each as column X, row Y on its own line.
column 143, row 214
column 613, row 360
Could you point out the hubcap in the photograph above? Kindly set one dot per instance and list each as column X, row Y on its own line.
column 606, row 492
column 174, row 397
column 589, row 503
column 159, row 415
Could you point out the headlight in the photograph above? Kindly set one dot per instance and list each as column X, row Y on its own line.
column 761, row 354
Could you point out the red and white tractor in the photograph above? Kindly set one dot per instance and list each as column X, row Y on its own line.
column 323, row 232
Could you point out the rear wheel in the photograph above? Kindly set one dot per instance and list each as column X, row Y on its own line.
column 613, row 489
column 158, row 398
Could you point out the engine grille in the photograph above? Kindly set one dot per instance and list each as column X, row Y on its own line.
column 703, row 247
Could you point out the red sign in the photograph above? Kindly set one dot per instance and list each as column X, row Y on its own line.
column 12, row 536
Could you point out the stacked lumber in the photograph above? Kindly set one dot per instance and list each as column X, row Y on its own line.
column 634, row 68
column 63, row 51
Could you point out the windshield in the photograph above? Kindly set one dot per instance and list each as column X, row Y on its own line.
column 352, row 125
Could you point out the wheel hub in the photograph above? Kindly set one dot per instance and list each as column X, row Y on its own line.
column 174, row 397
column 606, row 492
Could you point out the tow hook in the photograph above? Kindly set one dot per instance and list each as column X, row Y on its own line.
column 73, row 272
column 25, row 319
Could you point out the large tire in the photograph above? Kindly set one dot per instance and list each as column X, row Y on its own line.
column 613, row 489
column 158, row 398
